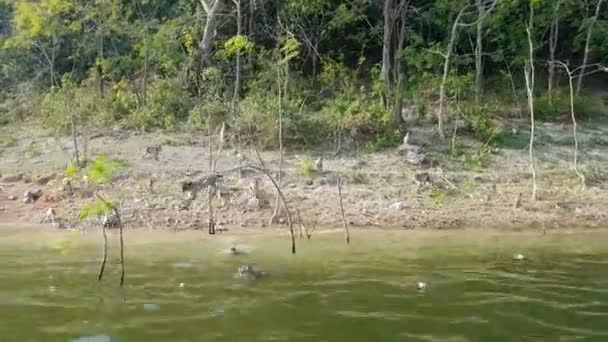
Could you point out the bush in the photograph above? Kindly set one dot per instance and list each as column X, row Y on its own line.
column 217, row 111
column 168, row 103
column 546, row 109
column 480, row 125
column 306, row 167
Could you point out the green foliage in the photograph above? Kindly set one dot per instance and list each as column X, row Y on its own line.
column 558, row 105
column 168, row 103
column 102, row 169
column 389, row 139
column 306, row 167
column 216, row 111
column 97, row 208
column 480, row 125
column 71, row 171
column 237, row 45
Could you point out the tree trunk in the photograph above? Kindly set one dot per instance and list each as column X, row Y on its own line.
column 211, row 8
column 553, row 39
column 386, row 46
column 446, row 70
column 237, row 81
column 398, row 62
column 529, row 76
column 579, row 83
column 479, row 53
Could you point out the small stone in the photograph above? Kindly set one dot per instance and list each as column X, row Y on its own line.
column 309, row 182
column 12, row 198
column 519, row 257
column 181, row 285
column 398, row 206
column 415, row 158
column 421, row 285
column 31, row 196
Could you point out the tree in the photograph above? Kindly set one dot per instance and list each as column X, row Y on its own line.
column 41, row 25
column 211, row 9
column 588, row 37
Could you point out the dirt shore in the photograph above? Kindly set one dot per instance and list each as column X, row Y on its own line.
column 379, row 190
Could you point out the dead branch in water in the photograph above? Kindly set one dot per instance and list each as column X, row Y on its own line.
column 105, row 253
column 105, row 245
column 346, row 233
column 282, row 198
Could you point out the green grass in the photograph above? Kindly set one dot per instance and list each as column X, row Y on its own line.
column 306, row 168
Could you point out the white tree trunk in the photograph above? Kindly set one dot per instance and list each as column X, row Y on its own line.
column 210, row 7
column 529, row 76
column 579, row 83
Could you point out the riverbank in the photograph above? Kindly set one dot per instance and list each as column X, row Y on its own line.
column 380, row 189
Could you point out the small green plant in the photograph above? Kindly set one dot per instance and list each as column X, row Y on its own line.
column 97, row 208
column 306, row 167
column 72, row 170
column 438, row 197
column 479, row 159
column 102, row 169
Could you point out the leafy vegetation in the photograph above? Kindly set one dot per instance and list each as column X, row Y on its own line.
column 324, row 65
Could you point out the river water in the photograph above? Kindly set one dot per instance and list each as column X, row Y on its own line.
column 182, row 287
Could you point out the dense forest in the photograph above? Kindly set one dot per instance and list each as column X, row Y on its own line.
column 355, row 70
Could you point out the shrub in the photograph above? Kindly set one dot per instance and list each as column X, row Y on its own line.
column 480, row 125
column 168, row 103
column 547, row 109
column 216, row 110
column 306, row 167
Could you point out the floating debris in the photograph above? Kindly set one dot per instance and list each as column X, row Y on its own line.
column 151, row 307
column 182, row 285
column 421, row 285
column 519, row 257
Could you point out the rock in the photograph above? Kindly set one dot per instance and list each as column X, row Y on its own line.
column 43, row 180
column 12, row 198
column 398, row 206
column 519, row 257
column 421, row 285
column 13, row 178
column 415, row 158
column 423, row 178
column 31, row 196
column 309, row 182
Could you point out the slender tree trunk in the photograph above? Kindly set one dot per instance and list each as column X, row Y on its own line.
column 574, row 132
column 100, row 55
column 479, row 52
column 344, row 225
column 276, row 214
column 237, row 81
column 386, row 46
column 446, row 71
column 211, row 8
column 250, row 32
column 579, row 83
column 553, row 39
column 75, row 139
column 398, row 61
column 529, row 76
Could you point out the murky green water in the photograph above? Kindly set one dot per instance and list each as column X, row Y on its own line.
column 327, row 292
